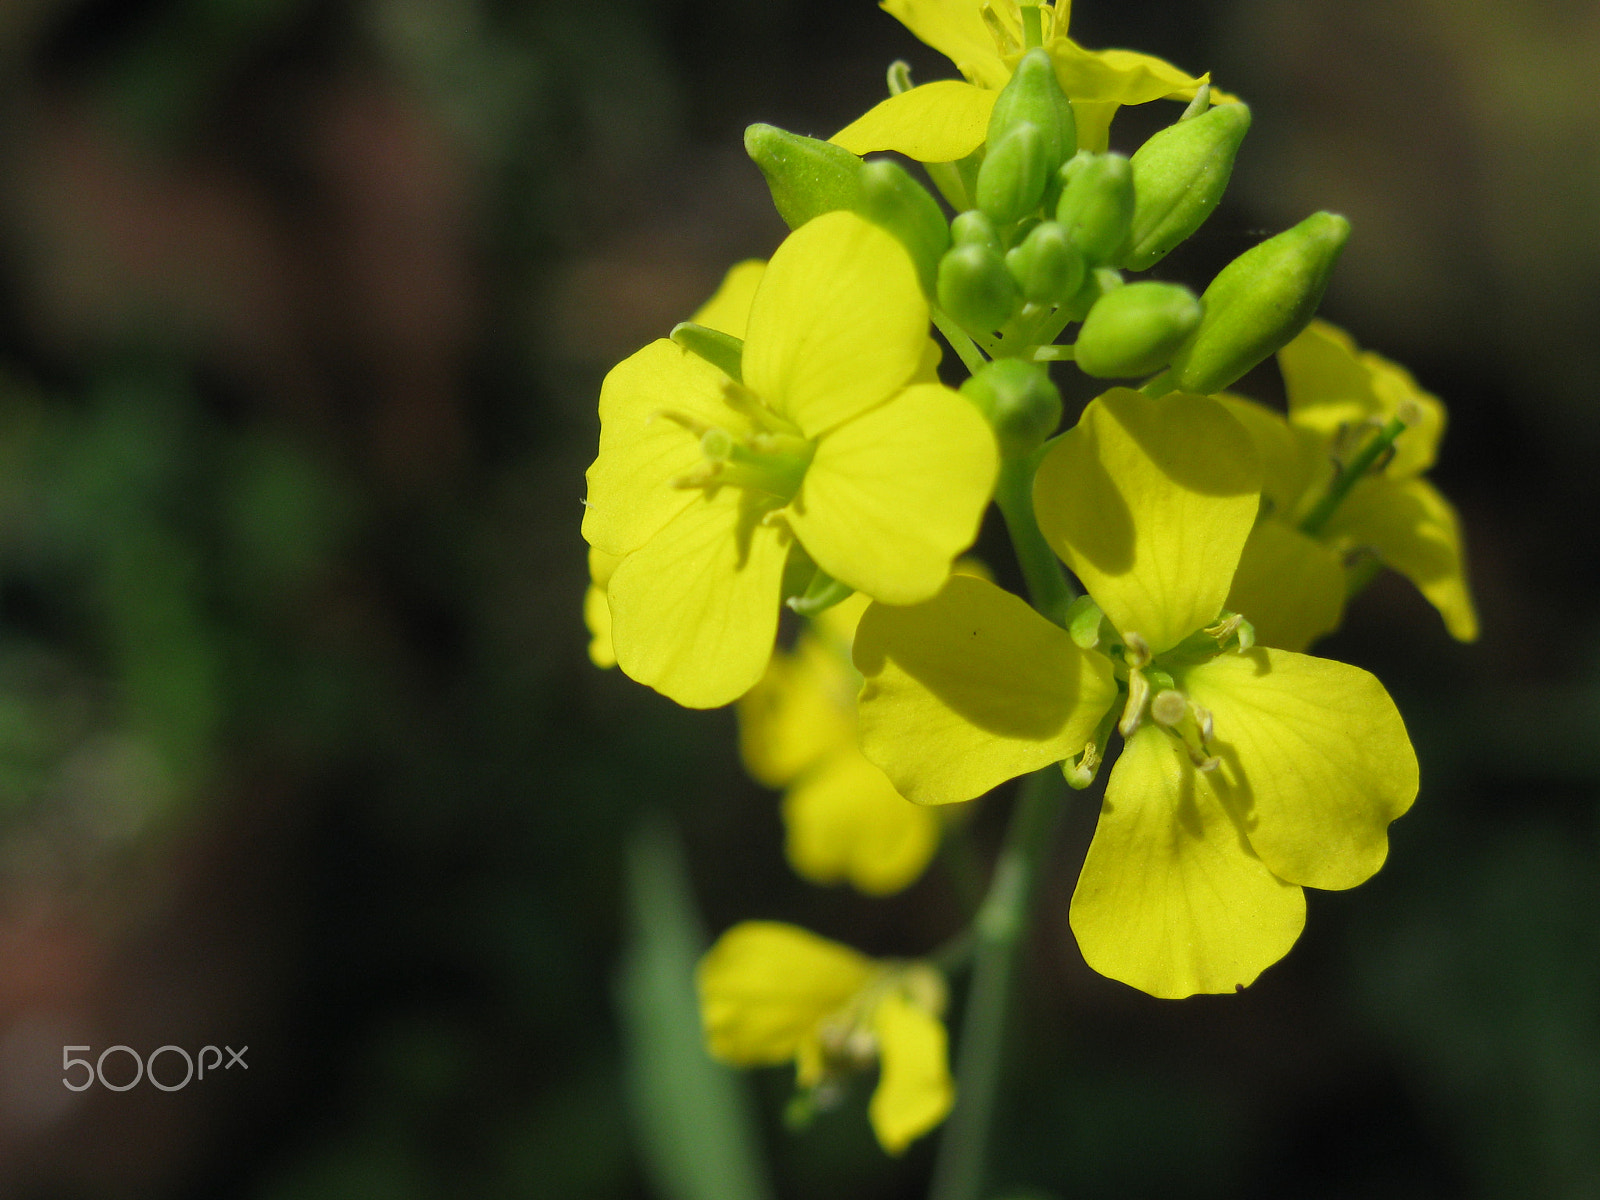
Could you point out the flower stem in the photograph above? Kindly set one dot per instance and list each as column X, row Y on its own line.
column 963, row 345
column 1041, row 570
column 1002, row 922
column 1349, row 475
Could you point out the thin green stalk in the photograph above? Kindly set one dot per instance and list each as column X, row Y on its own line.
column 1352, row 472
column 1041, row 569
column 963, row 345
column 999, row 930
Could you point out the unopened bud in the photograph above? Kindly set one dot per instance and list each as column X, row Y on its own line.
column 975, row 288
column 807, row 177
column 1046, row 266
column 1259, row 302
column 1033, row 96
column 973, row 226
column 901, row 205
column 1012, row 178
column 1097, row 283
column 1020, row 402
column 1135, row 329
column 1097, row 205
column 1179, row 175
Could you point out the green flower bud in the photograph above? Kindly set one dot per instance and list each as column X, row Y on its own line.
column 1179, row 175
column 975, row 288
column 1012, row 178
column 973, row 226
column 1259, row 302
column 807, row 177
column 1097, row 204
column 1134, row 330
column 897, row 202
column 1034, row 97
column 1020, row 401
column 1047, row 267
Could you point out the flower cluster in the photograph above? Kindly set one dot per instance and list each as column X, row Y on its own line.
column 795, row 446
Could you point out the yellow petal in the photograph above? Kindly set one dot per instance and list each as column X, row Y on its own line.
column 1415, row 530
column 630, row 481
column 1119, row 76
column 894, row 495
column 1294, row 461
column 1149, row 501
column 695, row 610
column 1289, row 586
column 764, row 987
column 597, row 610
column 933, row 123
column 838, row 325
column 846, row 823
column 728, row 310
column 1171, row 899
column 955, row 28
column 914, row 1091
column 1315, row 758
column 971, row 689
column 802, row 710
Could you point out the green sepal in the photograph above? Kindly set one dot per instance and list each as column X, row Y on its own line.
column 973, row 226
column 1019, row 401
column 1083, row 622
column 1259, row 302
column 1033, row 96
column 722, row 350
column 821, row 594
column 1134, row 330
column 975, row 288
column 807, row 177
column 897, row 202
column 1047, row 267
column 1179, row 175
column 1097, row 283
column 1097, row 205
column 1012, row 178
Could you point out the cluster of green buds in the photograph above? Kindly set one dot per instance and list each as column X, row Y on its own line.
column 1044, row 237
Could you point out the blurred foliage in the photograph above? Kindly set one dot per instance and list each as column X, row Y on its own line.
column 303, row 309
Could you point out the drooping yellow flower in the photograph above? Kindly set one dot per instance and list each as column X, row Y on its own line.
column 1339, row 398
column 947, row 120
column 832, row 438
column 772, row 993
column 797, row 731
column 1246, row 774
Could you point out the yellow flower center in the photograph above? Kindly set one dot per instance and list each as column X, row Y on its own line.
column 770, row 459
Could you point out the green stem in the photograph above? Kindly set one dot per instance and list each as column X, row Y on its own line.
column 1349, row 475
column 1041, row 569
column 1000, row 928
column 963, row 345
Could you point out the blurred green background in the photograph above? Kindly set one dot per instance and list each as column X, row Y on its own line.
column 303, row 311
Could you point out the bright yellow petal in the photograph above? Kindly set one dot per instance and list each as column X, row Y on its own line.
column 846, row 823
column 934, row 123
column 764, row 987
column 1294, row 461
column 1171, row 899
column 955, row 28
column 802, row 711
column 1289, row 586
column 1314, row 756
column 596, row 609
column 971, row 689
column 728, row 310
column 838, row 325
column 914, row 1091
column 1415, row 530
column 641, row 451
column 1149, row 501
column 695, row 610
column 1119, row 76
column 893, row 496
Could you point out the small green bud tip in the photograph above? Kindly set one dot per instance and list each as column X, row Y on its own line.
column 1259, row 303
column 1134, row 330
column 975, row 288
column 1012, row 178
column 1179, row 175
column 1033, row 96
column 1097, row 205
column 1019, row 401
column 973, row 226
column 807, row 177
column 1083, row 622
column 901, row 205
column 1047, row 267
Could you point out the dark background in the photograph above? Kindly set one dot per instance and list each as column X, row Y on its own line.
column 303, row 311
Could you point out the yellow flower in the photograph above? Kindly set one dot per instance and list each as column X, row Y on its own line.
column 1246, row 774
column 947, row 120
column 1339, row 397
column 772, row 993
column 797, row 731
column 833, row 439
